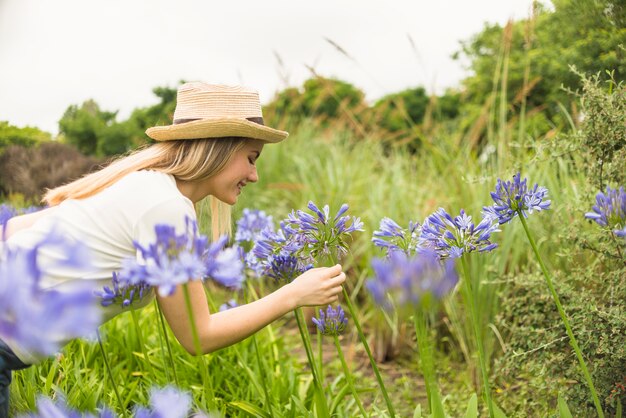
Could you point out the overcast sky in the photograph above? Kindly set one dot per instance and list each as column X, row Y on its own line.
column 54, row 53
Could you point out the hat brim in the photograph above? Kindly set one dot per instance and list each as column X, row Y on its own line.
column 216, row 128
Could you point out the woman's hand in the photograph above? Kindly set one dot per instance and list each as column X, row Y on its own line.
column 318, row 286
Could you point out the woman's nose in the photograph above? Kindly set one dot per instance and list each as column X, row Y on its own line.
column 253, row 176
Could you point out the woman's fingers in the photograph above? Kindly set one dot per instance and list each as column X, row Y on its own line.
column 334, row 270
column 337, row 280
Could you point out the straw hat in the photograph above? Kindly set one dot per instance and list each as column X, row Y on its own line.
column 215, row 111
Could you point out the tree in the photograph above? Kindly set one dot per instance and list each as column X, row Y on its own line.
column 400, row 111
column 319, row 97
column 83, row 126
column 590, row 34
column 27, row 136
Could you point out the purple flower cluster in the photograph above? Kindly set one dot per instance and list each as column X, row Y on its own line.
column 393, row 237
column 321, row 235
column 6, row 213
column 168, row 402
column 289, row 251
column 26, row 309
column 400, row 279
column 332, row 322
column 177, row 259
column 251, row 224
column 47, row 408
column 514, row 197
column 277, row 255
column 610, row 210
column 122, row 293
column 452, row 237
column 228, row 305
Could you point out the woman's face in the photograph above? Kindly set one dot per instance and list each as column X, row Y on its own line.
column 239, row 171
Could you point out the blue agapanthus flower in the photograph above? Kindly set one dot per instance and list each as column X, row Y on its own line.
column 251, row 224
column 47, row 408
column 393, row 237
column 452, row 237
column 285, row 268
column 332, row 322
column 6, row 213
column 514, row 197
column 621, row 232
column 228, row 305
column 167, row 402
column 122, row 293
column 610, row 209
column 277, row 255
column 320, row 234
column 177, row 259
column 36, row 318
column 400, row 279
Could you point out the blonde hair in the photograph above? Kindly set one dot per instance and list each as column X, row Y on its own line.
column 190, row 159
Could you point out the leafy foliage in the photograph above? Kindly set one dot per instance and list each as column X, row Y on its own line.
column 547, row 44
column 27, row 136
column 604, row 130
column 319, row 97
column 96, row 132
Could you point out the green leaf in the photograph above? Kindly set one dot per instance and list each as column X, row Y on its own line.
column 472, row 407
column 301, row 407
column 564, row 411
column 418, row 411
column 339, row 397
column 497, row 412
column 250, row 408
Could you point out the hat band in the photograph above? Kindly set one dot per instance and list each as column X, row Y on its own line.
column 257, row 120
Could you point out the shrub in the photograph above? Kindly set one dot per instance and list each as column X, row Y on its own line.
column 29, row 171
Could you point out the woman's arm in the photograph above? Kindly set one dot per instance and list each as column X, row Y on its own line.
column 17, row 223
column 318, row 286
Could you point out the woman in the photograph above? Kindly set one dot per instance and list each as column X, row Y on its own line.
column 209, row 151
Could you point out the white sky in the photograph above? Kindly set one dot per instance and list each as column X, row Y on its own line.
column 54, row 53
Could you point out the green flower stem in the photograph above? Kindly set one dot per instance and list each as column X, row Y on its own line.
column 196, row 342
column 331, row 260
column 162, row 347
column 617, row 246
column 349, row 376
column 320, row 353
column 381, row 384
column 559, row 307
column 133, row 313
column 110, row 373
column 319, row 390
column 167, row 342
column 268, row 400
column 194, row 331
column 469, row 295
column 425, row 346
